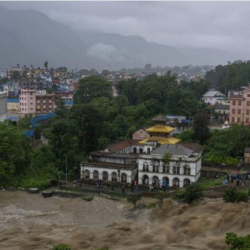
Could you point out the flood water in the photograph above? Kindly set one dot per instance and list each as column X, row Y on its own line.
column 31, row 222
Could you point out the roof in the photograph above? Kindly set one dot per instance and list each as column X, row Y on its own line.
column 160, row 118
column 115, row 155
column 195, row 147
column 13, row 100
column 174, row 150
column 116, row 147
column 160, row 129
column 236, row 97
column 161, row 140
column 221, row 106
column 213, row 93
column 247, row 150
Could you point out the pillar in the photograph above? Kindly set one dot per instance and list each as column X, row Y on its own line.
column 170, row 184
column 181, row 183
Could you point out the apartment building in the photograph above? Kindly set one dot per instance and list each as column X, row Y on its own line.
column 32, row 102
column 240, row 107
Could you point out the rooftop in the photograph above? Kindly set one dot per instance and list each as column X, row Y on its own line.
column 160, row 129
column 161, row 140
column 116, row 147
column 213, row 93
column 174, row 150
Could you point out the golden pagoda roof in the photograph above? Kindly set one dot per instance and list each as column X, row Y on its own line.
column 160, row 129
column 161, row 140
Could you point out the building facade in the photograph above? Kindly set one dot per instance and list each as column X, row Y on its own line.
column 212, row 96
column 3, row 106
column 32, row 102
column 239, row 111
column 182, row 169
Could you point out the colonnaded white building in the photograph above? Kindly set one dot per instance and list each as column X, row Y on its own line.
column 183, row 167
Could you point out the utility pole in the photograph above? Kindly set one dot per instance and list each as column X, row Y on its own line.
column 66, row 169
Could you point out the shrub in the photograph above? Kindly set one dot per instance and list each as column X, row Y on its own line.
column 238, row 242
column 160, row 197
column 87, row 197
column 192, row 193
column 133, row 198
column 61, row 247
column 233, row 195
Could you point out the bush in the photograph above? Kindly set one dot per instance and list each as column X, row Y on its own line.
column 61, row 247
column 133, row 198
column 192, row 193
column 238, row 242
column 87, row 197
column 233, row 195
column 160, row 197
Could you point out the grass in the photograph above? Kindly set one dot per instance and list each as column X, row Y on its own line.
column 207, row 183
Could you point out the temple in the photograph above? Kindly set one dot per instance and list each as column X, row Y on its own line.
column 142, row 159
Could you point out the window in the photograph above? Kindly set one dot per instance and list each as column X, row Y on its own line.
column 233, row 111
column 248, row 95
column 233, row 102
column 233, row 119
column 239, row 111
column 238, row 119
column 248, row 103
column 239, row 103
column 247, row 120
column 247, row 112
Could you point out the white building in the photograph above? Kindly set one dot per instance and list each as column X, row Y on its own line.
column 183, row 168
column 212, row 96
column 3, row 106
column 110, row 167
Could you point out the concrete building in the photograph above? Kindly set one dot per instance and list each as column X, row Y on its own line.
column 13, row 105
column 240, row 107
column 32, row 102
column 3, row 106
column 182, row 169
column 212, row 96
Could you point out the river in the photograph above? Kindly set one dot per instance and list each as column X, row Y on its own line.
column 32, row 222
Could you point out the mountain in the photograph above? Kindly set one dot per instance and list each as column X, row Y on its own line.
column 30, row 37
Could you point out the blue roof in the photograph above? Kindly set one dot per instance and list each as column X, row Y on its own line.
column 13, row 100
column 68, row 102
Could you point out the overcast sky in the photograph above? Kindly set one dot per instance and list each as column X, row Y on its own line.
column 222, row 25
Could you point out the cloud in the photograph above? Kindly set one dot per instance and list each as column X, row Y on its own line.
column 106, row 53
column 222, row 25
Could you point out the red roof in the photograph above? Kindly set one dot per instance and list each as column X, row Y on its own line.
column 122, row 145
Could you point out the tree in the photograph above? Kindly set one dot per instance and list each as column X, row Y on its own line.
column 200, row 126
column 46, row 65
column 166, row 158
column 187, row 136
column 192, row 193
column 160, row 197
column 133, row 198
column 15, row 152
column 92, row 87
column 37, row 132
column 238, row 242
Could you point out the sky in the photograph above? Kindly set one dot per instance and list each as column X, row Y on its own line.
column 222, row 25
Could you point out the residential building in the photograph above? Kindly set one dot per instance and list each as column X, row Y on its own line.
column 221, row 108
column 182, row 169
column 212, row 96
column 140, row 134
column 3, row 106
column 240, row 107
column 13, row 105
column 32, row 102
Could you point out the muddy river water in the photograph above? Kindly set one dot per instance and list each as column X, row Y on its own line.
column 32, row 222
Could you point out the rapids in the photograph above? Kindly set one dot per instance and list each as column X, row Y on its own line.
column 31, row 222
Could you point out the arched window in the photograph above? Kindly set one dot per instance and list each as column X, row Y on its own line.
column 176, row 182
column 145, row 166
column 135, row 150
column 114, row 176
column 141, row 150
column 124, row 177
column 145, row 180
column 105, row 176
column 148, row 150
column 86, row 174
column 187, row 170
column 96, row 175
column 186, row 182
